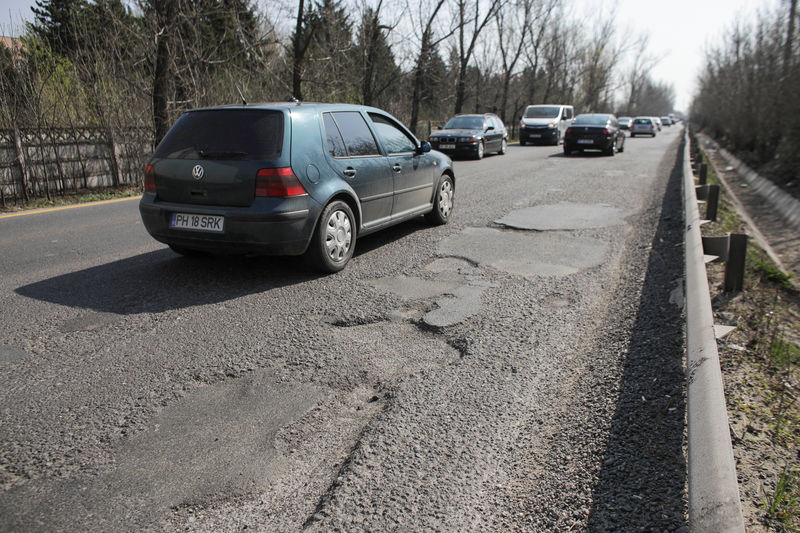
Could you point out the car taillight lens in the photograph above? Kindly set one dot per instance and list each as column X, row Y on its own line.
column 606, row 131
column 149, row 179
column 569, row 130
column 278, row 183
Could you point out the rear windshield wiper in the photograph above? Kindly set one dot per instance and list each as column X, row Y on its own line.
column 220, row 154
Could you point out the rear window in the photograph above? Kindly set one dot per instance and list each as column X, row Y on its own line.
column 247, row 134
column 592, row 120
column 642, row 121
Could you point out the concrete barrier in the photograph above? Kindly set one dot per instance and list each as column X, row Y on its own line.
column 714, row 504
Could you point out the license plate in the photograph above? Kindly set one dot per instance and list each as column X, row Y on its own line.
column 585, row 141
column 447, row 146
column 536, row 136
column 197, row 222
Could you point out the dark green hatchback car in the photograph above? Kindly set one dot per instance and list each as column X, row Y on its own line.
column 290, row 179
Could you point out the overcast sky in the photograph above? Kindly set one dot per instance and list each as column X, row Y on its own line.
column 681, row 30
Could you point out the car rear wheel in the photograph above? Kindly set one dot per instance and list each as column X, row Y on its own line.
column 567, row 149
column 521, row 142
column 442, row 202
column 334, row 238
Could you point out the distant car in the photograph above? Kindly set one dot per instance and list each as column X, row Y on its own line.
column 643, row 126
column 625, row 122
column 666, row 121
column 290, row 179
column 657, row 122
column 544, row 123
column 471, row 135
column 595, row 131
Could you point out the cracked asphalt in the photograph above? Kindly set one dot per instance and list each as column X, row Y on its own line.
column 519, row 369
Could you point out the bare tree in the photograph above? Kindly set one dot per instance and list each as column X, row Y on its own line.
column 470, row 25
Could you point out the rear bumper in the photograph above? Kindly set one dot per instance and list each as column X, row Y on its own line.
column 268, row 227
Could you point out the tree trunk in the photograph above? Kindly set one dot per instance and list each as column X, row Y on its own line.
column 161, row 77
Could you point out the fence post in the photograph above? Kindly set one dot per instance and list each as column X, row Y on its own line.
column 703, row 173
column 23, row 170
column 115, row 173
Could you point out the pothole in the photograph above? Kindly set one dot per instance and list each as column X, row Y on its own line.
column 537, row 254
column 414, row 288
column 564, row 216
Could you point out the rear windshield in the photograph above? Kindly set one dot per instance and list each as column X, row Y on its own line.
column 642, row 121
column 249, row 134
column 595, row 120
column 550, row 111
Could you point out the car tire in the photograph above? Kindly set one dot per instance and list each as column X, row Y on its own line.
column 334, row 238
column 567, row 149
column 633, row 134
column 557, row 140
column 654, row 134
column 521, row 142
column 442, row 202
column 503, row 147
column 480, row 151
column 622, row 146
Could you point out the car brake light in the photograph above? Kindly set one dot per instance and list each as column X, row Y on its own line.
column 278, row 183
column 149, row 178
column 569, row 130
column 606, row 131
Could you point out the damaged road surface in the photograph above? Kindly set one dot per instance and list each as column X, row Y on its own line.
column 517, row 369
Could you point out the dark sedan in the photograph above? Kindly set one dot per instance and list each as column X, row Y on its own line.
column 471, row 136
column 595, row 131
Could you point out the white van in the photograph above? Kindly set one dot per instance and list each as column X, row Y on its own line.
column 545, row 123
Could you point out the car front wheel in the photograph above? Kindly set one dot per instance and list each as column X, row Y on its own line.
column 503, row 147
column 442, row 202
column 479, row 151
column 334, row 238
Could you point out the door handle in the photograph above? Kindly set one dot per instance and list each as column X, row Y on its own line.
column 396, row 167
column 349, row 172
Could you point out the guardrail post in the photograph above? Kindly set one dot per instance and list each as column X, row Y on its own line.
column 734, row 266
column 703, row 173
column 710, row 195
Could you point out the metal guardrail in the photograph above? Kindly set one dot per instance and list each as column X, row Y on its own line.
column 714, row 504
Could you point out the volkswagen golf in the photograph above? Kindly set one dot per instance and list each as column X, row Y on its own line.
column 290, row 179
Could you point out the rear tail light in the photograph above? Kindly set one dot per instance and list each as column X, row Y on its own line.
column 569, row 130
column 278, row 183
column 149, row 179
column 606, row 131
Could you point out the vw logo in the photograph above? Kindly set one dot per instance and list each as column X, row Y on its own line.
column 198, row 172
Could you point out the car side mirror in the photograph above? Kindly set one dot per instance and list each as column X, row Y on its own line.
column 424, row 147
column 490, row 128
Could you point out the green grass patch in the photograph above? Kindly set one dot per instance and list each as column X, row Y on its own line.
column 782, row 505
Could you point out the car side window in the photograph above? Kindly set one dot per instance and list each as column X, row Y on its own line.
column 356, row 134
column 393, row 138
column 333, row 137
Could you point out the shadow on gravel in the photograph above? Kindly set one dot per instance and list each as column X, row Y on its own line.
column 643, row 473
column 161, row 280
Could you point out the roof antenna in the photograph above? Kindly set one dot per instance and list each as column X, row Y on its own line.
column 244, row 102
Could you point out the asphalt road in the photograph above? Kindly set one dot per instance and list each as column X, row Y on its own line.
column 517, row 369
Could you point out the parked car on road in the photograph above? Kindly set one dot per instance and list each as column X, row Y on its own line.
column 471, row 135
column 595, row 131
column 643, row 126
column 544, row 124
column 290, row 179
